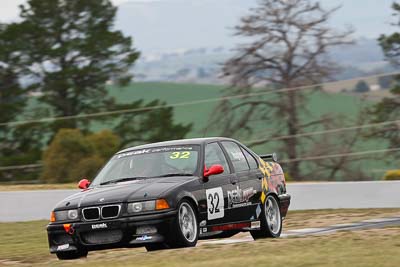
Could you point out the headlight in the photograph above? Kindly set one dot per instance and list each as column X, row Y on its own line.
column 141, row 206
column 65, row 215
column 158, row 204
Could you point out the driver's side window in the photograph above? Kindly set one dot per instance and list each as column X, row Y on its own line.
column 215, row 155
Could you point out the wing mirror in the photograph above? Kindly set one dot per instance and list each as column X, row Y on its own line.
column 84, row 184
column 213, row 170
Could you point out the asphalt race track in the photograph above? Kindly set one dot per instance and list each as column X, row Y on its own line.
column 36, row 205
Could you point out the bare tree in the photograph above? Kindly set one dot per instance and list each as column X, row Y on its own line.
column 287, row 48
column 342, row 144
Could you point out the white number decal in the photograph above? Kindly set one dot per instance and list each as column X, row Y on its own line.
column 215, row 203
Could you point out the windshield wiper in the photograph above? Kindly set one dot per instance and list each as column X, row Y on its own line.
column 122, row 180
column 173, row 174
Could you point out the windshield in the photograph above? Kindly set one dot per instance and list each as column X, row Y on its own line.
column 149, row 163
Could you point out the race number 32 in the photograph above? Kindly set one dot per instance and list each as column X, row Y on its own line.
column 215, row 203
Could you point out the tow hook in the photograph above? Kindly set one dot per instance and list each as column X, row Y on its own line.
column 69, row 228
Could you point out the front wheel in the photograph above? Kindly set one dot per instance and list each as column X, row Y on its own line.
column 271, row 220
column 185, row 228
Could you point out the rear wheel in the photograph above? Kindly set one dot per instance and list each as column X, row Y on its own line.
column 185, row 228
column 271, row 220
column 72, row 255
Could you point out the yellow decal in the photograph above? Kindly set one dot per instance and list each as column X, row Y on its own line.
column 180, row 155
column 266, row 168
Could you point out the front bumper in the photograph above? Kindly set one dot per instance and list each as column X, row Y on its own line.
column 103, row 234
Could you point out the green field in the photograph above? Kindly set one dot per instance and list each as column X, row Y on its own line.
column 199, row 114
column 25, row 244
column 344, row 106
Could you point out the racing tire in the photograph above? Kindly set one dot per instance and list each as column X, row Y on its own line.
column 185, row 227
column 72, row 255
column 270, row 218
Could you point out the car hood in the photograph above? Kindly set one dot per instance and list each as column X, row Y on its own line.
column 136, row 190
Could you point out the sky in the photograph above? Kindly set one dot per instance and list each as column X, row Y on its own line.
column 9, row 8
column 165, row 25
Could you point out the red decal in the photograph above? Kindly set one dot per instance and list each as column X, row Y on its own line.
column 231, row 226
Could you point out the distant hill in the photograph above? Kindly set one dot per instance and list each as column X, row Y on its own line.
column 203, row 65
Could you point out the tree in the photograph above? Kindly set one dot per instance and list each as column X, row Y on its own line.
column 361, row 87
column 287, row 48
column 72, row 155
column 12, row 96
column 148, row 125
column 388, row 109
column 19, row 145
column 70, row 51
column 67, row 51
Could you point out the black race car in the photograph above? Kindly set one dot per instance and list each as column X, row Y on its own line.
column 169, row 195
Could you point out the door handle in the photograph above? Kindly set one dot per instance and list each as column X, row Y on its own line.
column 260, row 177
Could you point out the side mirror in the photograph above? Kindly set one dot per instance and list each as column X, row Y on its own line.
column 84, row 184
column 213, row 170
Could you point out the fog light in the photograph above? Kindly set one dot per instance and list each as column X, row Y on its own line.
column 146, row 229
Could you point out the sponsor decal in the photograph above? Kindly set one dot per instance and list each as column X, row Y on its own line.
column 154, row 150
column 202, row 223
column 239, row 197
column 99, row 226
column 255, row 225
column 258, row 210
column 215, row 203
column 63, row 247
column 203, row 230
column 144, row 238
column 238, row 156
column 131, row 153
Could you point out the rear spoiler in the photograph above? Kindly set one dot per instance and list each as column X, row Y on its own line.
column 269, row 157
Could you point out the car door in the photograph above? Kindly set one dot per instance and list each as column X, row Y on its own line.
column 218, row 186
column 252, row 180
column 246, row 196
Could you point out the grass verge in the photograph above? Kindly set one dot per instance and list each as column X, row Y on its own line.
column 25, row 243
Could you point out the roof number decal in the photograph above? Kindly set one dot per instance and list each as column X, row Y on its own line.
column 180, row 155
